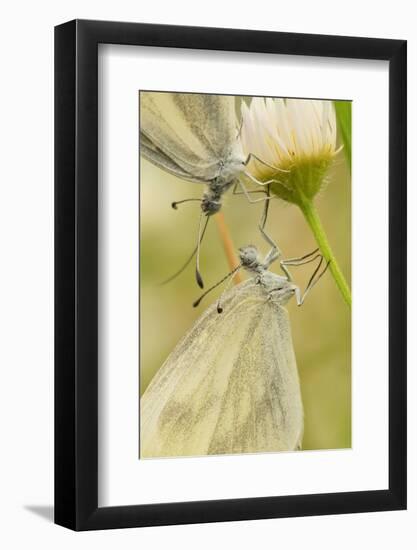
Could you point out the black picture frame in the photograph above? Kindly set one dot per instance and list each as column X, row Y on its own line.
column 76, row 273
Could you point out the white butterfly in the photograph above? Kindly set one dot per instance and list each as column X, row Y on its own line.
column 195, row 137
column 231, row 384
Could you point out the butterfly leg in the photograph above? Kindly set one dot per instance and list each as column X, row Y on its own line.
column 248, row 197
column 253, row 156
column 310, row 257
column 314, row 279
column 235, row 192
column 266, row 208
column 273, row 254
column 258, row 182
column 301, row 260
column 265, row 199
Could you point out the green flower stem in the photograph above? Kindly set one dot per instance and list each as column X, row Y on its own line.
column 313, row 220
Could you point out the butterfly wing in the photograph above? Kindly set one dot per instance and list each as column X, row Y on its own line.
column 187, row 133
column 160, row 159
column 230, row 386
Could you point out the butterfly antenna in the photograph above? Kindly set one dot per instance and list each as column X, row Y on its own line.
column 176, row 203
column 229, row 282
column 197, row 302
column 201, row 230
column 186, row 263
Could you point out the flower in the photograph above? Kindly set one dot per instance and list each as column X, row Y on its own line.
column 294, row 141
column 291, row 143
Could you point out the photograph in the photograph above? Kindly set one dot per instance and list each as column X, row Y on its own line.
column 245, row 274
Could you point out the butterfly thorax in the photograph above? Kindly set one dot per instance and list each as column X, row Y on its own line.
column 228, row 170
column 278, row 288
column 211, row 202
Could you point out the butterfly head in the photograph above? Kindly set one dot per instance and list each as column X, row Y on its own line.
column 249, row 257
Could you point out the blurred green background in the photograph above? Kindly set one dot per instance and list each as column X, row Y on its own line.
column 321, row 327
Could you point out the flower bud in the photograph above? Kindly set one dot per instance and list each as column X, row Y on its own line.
column 295, row 142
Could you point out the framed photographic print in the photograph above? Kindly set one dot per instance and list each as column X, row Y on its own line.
column 230, row 275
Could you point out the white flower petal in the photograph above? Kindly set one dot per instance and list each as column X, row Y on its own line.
column 283, row 132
